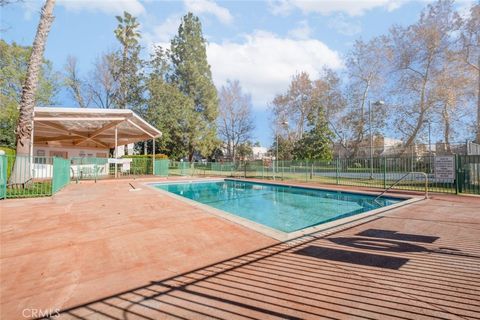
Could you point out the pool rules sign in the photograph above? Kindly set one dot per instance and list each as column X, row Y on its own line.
column 445, row 167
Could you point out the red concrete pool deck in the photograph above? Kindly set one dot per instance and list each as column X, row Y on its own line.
column 101, row 251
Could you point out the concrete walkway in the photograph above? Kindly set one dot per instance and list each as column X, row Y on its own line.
column 100, row 251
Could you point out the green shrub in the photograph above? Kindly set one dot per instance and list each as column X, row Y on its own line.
column 8, row 151
column 146, row 156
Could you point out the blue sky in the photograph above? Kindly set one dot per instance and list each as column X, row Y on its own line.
column 260, row 43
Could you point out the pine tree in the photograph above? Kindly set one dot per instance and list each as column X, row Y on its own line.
column 315, row 144
column 192, row 76
column 167, row 108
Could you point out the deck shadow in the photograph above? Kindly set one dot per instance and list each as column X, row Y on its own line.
column 329, row 276
column 360, row 258
column 394, row 235
column 378, row 244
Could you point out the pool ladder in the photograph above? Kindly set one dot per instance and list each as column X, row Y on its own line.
column 403, row 177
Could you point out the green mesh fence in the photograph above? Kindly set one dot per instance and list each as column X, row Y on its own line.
column 34, row 174
column 88, row 168
column 180, row 168
column 184, row 168
column 61, row 174
column 3, row 177
column 379, row 172
column 161, row 167
column 468, row 174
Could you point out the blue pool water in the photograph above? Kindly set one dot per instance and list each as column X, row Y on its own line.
column 284, row 208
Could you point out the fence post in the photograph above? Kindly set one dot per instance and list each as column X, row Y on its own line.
column 95, row 170
column 3, row 176
column 384, row 172
column 306, row 171
column 457, row 174
column 336, row 170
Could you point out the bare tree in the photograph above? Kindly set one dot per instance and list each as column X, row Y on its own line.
column 235, row 122
column 471, row 53
column 452, row 91
column 75, row 84
column 303, row 104
column 327, row 91
column 27, row 101
column 295, row 105
column 328, row 99
column 418, row 54
column 366, row 65
column 102, row 85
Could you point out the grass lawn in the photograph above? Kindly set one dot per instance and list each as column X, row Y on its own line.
column 35, row 189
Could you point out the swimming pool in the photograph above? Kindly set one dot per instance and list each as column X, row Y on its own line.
column 281, row 207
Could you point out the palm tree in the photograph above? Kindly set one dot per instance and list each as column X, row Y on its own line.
column 27, row 101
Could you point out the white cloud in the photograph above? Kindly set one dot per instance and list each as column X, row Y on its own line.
column 280, row 7
column 165, row 31
column 345, row 26
column 209, row 7
column 326, row 7
column 134, row 7
column 303, row 31
column 265, row 62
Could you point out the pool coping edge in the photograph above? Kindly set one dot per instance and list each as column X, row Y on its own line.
column 276, row 234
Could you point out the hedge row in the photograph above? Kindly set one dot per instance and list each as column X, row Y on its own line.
column 146, row 156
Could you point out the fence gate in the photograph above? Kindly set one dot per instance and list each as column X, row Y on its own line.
column 3, row 177
column 468, row 174
column 161, row 167
column 61, row 174
column 184, row 168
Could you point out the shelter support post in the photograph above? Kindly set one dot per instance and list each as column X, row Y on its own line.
column 32, row 135
column 116, row 150
column 153, row 152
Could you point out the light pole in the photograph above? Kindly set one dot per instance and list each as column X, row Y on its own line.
column 283, row 123
column 429, row 143
column 377, row 104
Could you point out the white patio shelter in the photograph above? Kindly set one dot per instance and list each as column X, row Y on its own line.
column 68, row 132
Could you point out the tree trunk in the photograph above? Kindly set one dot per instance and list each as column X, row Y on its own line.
column 191, row 152
column 123, row 81
column 27, row 101
column 423, row 108
column 478, row 104
column 414, row 134
column 361, row 126
column 446, row 132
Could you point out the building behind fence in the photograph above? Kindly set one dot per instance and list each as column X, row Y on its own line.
column 387, row 147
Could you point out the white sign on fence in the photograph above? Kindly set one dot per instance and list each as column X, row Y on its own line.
column 445, row 167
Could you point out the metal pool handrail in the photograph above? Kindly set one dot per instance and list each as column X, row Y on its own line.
column 403, row 177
